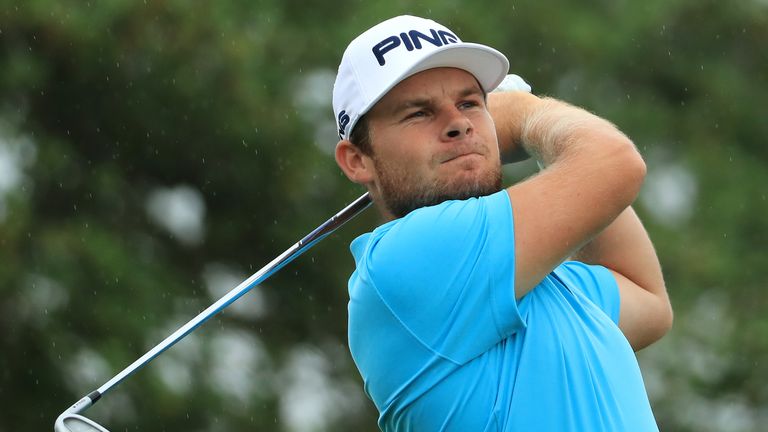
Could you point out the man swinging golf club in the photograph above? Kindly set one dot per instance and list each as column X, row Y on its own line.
column 476, row 307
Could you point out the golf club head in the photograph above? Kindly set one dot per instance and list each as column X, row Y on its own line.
column 69, row 422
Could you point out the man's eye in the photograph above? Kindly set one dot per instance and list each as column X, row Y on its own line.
column 468, row 104
column 416, row 114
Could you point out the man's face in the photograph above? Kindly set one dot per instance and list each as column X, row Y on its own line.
column 433, row 140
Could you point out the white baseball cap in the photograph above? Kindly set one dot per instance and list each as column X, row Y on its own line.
column 397, row 48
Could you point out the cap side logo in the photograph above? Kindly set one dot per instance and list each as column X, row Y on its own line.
column 412, row 40
column 343, row 122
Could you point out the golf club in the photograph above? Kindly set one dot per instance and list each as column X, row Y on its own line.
column 71, row 420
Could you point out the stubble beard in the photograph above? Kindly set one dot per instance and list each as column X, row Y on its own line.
column 402, row 194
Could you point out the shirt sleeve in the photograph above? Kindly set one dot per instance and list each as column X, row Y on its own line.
column 595, row 282
column 447, row 273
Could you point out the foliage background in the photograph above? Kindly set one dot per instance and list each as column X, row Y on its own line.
column 155, row 153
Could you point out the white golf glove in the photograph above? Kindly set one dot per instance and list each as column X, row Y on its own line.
column 513, row 82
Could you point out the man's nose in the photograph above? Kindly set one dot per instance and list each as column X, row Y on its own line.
column 458, row 125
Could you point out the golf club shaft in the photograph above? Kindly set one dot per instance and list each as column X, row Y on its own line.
column 294, row 251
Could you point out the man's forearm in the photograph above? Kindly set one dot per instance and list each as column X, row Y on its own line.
column 592, row 173
column 543, row 128
column 555, row 129
column 624, row 246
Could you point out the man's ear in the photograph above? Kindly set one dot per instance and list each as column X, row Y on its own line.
column 356, row 165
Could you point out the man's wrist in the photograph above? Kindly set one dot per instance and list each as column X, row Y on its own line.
column 509, row 110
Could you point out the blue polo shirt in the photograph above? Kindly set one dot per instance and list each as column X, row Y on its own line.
column 442, row 344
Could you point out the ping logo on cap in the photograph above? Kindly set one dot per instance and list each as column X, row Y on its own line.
column 343, row 122
column 412, row 40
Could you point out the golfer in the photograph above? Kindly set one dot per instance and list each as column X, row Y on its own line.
column 476, row 307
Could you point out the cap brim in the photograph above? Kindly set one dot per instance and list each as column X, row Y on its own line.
column 488, row 65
